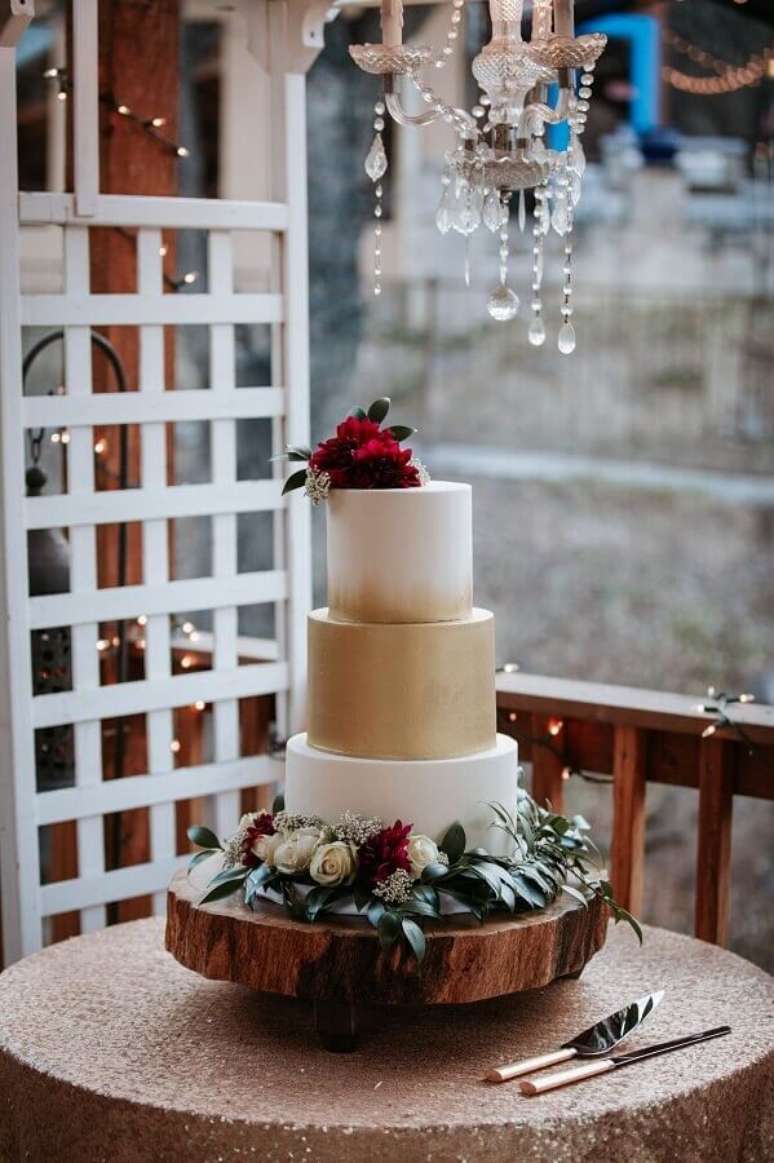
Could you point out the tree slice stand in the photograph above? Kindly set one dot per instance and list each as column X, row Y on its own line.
column 338, row 964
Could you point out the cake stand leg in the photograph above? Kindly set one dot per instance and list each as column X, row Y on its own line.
column 336, row 1024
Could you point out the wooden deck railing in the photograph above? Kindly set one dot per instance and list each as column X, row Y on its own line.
column 641, row 736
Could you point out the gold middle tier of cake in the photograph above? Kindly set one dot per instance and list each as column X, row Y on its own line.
column 416, row 690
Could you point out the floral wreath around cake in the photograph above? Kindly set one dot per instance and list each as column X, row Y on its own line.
column 397, row 878
column 362, row 455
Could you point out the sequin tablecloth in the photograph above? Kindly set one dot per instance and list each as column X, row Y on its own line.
column 111, row 1051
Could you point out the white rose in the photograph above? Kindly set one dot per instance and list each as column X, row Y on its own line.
column 333, row 864
column 294, row 852
column 421, row 852
column 265, row 847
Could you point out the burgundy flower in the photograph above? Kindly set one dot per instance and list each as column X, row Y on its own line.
column 334, row 456
column 262, row 825
column 381, row 463
column 384, row 854
column 364, row 456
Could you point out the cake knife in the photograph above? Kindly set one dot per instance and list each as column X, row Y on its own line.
column 601, row 1066
column 592, row 1043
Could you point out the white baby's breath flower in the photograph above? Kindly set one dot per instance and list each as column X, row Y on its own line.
column 318, row 485
column 424, row 475
column 395, row 889
column 354, row 829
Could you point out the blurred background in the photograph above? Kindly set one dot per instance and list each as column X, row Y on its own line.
column 624, row 495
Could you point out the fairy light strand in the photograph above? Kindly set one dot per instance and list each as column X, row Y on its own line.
column 728, row 79
column 152, row 126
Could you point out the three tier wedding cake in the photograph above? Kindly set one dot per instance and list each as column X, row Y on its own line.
column 401, row 801
column 401, row 712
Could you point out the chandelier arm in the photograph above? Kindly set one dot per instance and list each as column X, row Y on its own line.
column 396, row 111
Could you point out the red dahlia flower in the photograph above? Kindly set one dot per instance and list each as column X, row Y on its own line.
column 262, row 825
column 385, row 853
column 364, row 456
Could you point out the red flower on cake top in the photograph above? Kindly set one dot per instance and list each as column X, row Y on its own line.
column 362, row 455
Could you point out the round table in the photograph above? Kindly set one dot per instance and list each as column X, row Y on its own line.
column 111, row 1051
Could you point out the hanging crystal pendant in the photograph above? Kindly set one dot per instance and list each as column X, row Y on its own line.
column 537, row 332
column 443, row 215
column 576, row 157
column 493, row 211
column 566, row 339
column 503, row 304
column 376, row 159
column 560, row 218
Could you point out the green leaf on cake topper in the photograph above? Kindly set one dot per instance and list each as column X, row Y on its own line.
column 379, row 409
column 296, row 480
column 358, row 413
column 292, row 452
column 400, row 432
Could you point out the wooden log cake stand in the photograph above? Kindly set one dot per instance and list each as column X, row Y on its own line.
column 338, row 964
column 112, row 1052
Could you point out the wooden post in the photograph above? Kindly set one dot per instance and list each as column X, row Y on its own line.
column 138, row 67
column 628, row 848
column 713, row 870
column 548, row 760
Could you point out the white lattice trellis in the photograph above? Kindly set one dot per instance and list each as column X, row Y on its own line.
column 292, row 43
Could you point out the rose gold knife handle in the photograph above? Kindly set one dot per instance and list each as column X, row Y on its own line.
column 565, row 1077
column 528, row 1065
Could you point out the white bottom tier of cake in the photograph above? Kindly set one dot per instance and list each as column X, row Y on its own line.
column 430, row 794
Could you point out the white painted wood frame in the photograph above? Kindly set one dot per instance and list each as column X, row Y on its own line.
column 284, row 403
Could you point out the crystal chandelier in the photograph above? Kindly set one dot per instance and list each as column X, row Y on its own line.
column 499, row 150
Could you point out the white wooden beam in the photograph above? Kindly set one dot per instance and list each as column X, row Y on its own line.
column 18, row 831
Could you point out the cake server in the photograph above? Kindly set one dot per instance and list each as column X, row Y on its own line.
column 602, row 1066
column 592, row 1043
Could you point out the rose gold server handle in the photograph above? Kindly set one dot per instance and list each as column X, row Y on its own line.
column 528, row 1065
column 565, row 1077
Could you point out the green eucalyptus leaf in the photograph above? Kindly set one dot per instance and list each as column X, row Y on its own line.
column 389, row 928
column 204, row 838
column 220, row 891
column 528, row 892
column 420, row 908
column 576, row 894
column 379, row 409
column 358, row 413
column 453, row 843
column 415, row 938
column 198, row 857
column 400, row 432
column 296, row 480
column 228, row 875
column 316, row 901
column 376, row 911
column 361, row 894
column 278, row 804
column 432, row 872
column 426, row 893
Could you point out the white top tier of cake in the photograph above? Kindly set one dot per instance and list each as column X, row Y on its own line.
column 400, row 555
